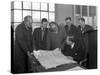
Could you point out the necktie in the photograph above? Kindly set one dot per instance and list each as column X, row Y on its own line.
column 42, row 34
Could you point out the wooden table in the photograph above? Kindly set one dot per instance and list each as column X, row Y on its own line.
column 39, row 68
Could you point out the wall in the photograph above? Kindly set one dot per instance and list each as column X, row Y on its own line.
column 62, row 11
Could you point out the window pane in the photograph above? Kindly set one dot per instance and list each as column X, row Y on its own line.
column 44, row 6
column 86, row 19
column 26, row 5
column 17, row 15
column 77, row 9
column 36, row 16
column 36, row 6
column 76, row 20
column 12, row 5
column 25, row 13
column 51, row 7
column 95, row 21
column 92, row 11
column 51, row 16
column 90, row 21
column 17, row 5
column 84, row 10
column 44, row 15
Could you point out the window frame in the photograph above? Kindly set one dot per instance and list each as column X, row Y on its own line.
column 31, row 9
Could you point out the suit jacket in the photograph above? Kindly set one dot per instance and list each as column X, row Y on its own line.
column 86, row 29
column 77, row 52
column 72, row 31
column 56, row 40
column 84, row 34
column 40, row 41
column 23, row 44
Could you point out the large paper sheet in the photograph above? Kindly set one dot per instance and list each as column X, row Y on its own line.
column 50, row 59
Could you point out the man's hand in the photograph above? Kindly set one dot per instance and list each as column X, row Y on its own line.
column 69, row 57
column 68, row 41
column 31, row 57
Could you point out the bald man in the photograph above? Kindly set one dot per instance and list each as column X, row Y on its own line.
column 23, row 45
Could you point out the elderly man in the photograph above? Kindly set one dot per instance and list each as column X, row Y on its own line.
column 23, row 45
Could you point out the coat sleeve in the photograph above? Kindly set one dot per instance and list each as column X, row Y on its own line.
column 21, row 40
column 64, row 38
column 35, row 41
column 48, row 42
column 89, row 28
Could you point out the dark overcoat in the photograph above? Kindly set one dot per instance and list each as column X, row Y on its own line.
column 23, row 44
column 84, row 34
column 77, row 52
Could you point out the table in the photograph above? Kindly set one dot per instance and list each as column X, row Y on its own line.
column 66, row 67
column 48, row 61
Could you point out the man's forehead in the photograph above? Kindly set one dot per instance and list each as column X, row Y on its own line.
column 68, row 20
column 45, row 22
column 80, row 21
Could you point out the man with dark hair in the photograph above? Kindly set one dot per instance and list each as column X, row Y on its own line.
column 73, row 45
column 68, row 18
column 44, row 20
column 71, row 34
column 83, row 29
column 40, row 35
column 69, row 27
column 23, row 45
column 82, row 19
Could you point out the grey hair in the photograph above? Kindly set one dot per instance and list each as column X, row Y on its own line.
column 26, row 17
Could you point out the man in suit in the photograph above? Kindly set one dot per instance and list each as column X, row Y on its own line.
column 73, row 46
column 23, row 45
column 70, row 32
column 56, row 37
column 40, row 35
column 84, row 30
column 70, row 28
